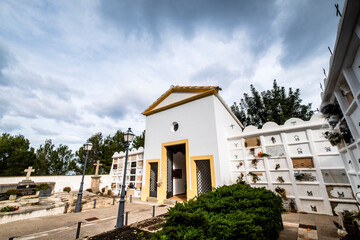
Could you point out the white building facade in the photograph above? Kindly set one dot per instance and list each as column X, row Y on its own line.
column 194, row 143
column 134, row 170
column 343, row 86
column 302, row 162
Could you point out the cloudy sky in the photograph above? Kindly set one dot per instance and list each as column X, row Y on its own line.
column 69, row 69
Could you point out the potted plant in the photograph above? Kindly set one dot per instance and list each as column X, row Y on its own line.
column 254, row 162
column 12, row 193
column 45, row 190
column 333, row 137
column 280, row 179
column 261, row 154
column 292, row 206
column 254, row 176
column 282, row 192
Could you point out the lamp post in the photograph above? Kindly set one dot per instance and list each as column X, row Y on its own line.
column 87, row 147
column 128, row 137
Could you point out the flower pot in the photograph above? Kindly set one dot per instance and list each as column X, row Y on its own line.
column 12, row 197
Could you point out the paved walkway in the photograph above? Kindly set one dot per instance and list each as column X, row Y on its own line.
column 63, row 226
column 299, row 226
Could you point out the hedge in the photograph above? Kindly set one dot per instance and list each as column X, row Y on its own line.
column 229, row 212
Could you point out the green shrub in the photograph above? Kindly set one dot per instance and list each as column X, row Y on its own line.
column 12, row 192
column 103, row 190
column 9, row 208
column 109, row 192
column 229, row 212
column 89, row 190
column 42, row 186
column 67, row 189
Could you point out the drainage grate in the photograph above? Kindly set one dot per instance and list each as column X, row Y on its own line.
column 91, row 219
column 307, row 226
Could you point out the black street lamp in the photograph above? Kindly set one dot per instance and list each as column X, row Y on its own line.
column 87, row 147
column 128, row 137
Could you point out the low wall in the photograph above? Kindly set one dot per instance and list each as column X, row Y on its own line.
column 61, row 181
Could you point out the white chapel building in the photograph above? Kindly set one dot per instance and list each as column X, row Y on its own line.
column 193, row 143
column 185, row 143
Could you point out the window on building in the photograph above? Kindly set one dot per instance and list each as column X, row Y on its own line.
column 133, row 164
column 132, row 178
column 132, row 171
column 115, row 166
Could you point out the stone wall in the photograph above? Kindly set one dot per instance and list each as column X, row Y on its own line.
column 62, row 181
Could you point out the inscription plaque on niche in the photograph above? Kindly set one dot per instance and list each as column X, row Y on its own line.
column 275, row 151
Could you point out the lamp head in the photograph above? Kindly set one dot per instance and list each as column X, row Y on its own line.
column 128, row 136
column 87, row 146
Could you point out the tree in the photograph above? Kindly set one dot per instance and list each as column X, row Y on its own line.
column 103, row 150
column 53, row 161
column 15, row 155
column 139, row 141
column 271, row 105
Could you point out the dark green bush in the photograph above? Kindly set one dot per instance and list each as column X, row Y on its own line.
column 229, row 212
column 89, row 190
column 12, row 192
column 67, row 189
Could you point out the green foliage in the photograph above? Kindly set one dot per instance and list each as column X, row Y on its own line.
column 12, row 192
column 53, row 161
column 9, row 208
column 103, row 149
column 67, row 189
column 139, row 141
column 271, row 105
column 15, row 155
column 230, row 212
column 42, row 186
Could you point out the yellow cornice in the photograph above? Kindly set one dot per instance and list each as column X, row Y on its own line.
column 203, row 93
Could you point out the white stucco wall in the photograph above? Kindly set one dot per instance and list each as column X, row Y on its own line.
column 196, row 123
column 225, row 126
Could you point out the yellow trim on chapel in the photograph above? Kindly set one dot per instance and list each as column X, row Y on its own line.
column 145, row 191
column 193, row 191
column 191, row 183
column 203, row 92
column 162, row 190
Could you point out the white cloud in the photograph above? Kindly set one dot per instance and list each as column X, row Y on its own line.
column 76, row 68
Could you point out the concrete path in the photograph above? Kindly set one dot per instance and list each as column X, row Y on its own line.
column 299, row 226
column 63, row 226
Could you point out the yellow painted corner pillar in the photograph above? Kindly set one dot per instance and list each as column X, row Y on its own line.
column 145, row 191
column 193, row 159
